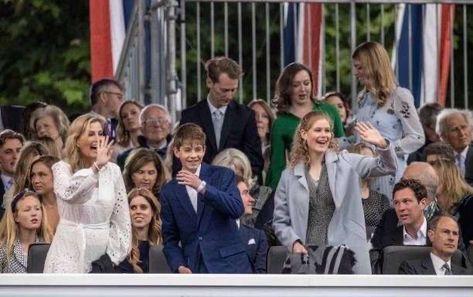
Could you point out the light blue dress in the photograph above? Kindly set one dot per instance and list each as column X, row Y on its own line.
column 396, row 120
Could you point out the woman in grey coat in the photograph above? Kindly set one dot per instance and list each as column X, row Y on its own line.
column 317, row 201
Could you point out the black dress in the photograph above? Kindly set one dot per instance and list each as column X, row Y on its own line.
column 125, row 266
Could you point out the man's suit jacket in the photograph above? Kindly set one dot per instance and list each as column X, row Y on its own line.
column 469, row 165
column 12, row 117
column 238, row 131
column 2, row 193
column 347, row 225
column 387, row 236
column 210, row 235
column 256, row 246
column 425, row 266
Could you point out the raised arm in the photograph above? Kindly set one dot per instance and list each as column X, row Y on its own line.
column 74, row 188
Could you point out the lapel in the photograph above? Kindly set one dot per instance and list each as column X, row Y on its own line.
column 17, row 251
column 302, row 197
column 184, row 199
column 204, row 175
column 300, row 174
column 427, row 266
column 231, row 117
column 207, row 123
column 331, row 159
column 396, row 237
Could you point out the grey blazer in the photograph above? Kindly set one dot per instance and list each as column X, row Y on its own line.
column 291, row 201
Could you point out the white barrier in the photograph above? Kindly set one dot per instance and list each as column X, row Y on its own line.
column 233, row 285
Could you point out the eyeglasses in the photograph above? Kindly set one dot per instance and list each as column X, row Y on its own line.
column 119, row 95
column 155, row 122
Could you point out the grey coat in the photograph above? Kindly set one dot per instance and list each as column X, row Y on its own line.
column 347, row 226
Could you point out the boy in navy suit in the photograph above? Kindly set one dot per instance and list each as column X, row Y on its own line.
column 200, row 207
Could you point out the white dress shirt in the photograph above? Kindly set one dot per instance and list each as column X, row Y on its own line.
column 421, row 235
column 192, row 192
column 438, row 264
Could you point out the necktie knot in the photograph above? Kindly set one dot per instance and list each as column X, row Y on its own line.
column 447, row 269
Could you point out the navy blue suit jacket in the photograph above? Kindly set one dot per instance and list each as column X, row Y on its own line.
column 238, row 131
column 256, row 246
column 211, row 234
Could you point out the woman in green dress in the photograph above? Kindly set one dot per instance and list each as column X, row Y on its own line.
column 293, row 100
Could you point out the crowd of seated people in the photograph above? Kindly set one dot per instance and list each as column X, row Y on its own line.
column 112, row 186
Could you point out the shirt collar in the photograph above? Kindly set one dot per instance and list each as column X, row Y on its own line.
column 421, row 233
column 6, row 181
column 463, row 153
column 213, row 108
column 438, row 263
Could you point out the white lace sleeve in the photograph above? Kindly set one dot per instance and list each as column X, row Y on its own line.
column 119, row 242
column 74, row 188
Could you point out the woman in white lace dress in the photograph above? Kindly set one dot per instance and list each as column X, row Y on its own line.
column 92, row 202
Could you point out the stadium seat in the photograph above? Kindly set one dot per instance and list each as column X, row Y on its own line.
column 276, row 257
column 157, row 260
column 36, row 256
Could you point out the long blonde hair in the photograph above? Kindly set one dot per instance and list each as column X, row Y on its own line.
column 77, row 128
column 299, row 150
column 453, row 184
column 9, row 229
column 154, row 230
column 379, row 75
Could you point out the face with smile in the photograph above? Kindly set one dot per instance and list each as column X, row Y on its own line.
column 248, row 200
column 45, row 126
column 42, row 178
column 28, row 213
column 301, row 88
column 130, row 114
column 444, row 238
column 89, row 140
column 410, row 212
column 141, row 212
column 222, row 91
column 190, row 154
column 145, row 177
column 262, row 120
column 318, row 136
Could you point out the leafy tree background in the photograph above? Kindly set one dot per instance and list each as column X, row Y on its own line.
column 44, row 52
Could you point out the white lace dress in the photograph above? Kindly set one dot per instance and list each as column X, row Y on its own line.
column 94, row 218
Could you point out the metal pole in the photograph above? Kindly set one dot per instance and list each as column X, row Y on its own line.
column 212, row 30
column 225, row 27
column 183, row 56
column 352, row 47
column 171, row 55
column 337, row 47
column 368, row 22
column 382, row 24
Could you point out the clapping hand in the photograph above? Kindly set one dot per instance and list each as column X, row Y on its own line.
column 104, row 151
column 370, row 134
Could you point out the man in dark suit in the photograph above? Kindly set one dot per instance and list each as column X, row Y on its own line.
column 444, row 234
column 455, row 128
column 253, row 239
column 226, row 123
column 200, row 206
column 409, row 203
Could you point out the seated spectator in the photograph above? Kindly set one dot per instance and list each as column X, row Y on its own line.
column 145, row 212
column 41, row 179
column 428, row 118
column 11, row 143
column 444, row 234
column 200, row 206
column 439, row 151
column 144, row 169
column 409, row 197
column 374, row 203
column 264, row 203
column 28, row 127
column 155, row 122
column 28, row 152
column 128, row 128
column 455, row 128
column 24, row 223
column 455, row 196
column 253, row 239
column 265, row 117
column 51, row 122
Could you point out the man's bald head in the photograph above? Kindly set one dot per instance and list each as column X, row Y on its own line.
column 426, row 175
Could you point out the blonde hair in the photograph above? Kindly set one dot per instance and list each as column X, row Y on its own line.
column 9, row 229
column 154, row 230
column 78, row 127
column 123, row 136
column 139, row 158
column 236, row 159
column 453, row 185
column 300, row 151
column 50, row 145
column 379, row 75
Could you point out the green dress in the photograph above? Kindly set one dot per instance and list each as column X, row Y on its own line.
column 282, row 134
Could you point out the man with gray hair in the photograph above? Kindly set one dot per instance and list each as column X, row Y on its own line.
column 455, row 128
column 155, row 122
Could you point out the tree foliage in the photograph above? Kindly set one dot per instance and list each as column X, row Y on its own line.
column 44, row 52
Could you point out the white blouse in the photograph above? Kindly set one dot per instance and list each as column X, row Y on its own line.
column 94, row 218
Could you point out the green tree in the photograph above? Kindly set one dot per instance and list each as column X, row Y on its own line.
column 44, row 52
